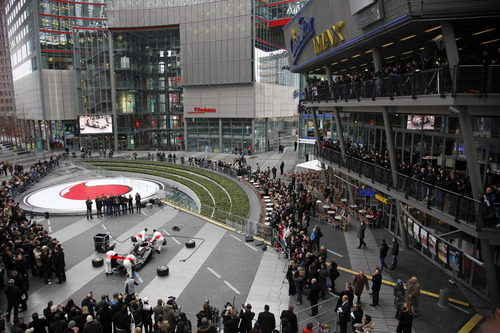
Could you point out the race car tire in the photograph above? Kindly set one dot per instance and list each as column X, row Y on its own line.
column 97, row 262
column 164, row 242
column 162, row 270
column 190, row 244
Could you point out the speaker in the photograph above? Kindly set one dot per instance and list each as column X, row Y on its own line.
column 47, row 215
column 264, row 247
column 248, row 238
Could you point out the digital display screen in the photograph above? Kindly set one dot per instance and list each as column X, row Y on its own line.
column 96, row 124
column 420, row 122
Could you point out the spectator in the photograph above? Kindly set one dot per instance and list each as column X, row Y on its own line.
column 399, row 296
column 291, row 318
column 266, row 320
column 405, row 319
column 343, row 313
column 356, row 316
column 413, row 293
column 383, row 249
column 313, row 296
column 358, row 283
column 395, row 253
column 376, row 285
column 246, row 316
column 308, row 328
column 367, row 326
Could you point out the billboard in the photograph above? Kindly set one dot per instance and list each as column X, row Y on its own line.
column 416, row 122
column 96, row 124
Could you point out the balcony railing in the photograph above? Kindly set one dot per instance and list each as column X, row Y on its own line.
column 462, row 208
column 471, row 79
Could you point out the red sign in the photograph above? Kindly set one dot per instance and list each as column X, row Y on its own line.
column 202, row 110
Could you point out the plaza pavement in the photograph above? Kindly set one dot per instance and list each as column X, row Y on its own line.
column 267, row 271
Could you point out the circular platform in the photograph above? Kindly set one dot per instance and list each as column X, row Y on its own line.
column 69, row 198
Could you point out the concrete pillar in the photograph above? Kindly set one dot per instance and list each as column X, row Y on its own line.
column 340, row 134
column 113, row 92
column 470, row 149
column 377, row 59
column 477, row 188
column 450, row 44
column 220, row 135
column 328, row 72
column 392, row 157
column 318, row 143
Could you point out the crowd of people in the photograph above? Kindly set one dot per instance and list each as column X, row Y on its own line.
column 27, row 249
column 413, row 77
column 433, row 179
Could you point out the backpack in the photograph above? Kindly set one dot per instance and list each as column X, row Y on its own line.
column 187, row 326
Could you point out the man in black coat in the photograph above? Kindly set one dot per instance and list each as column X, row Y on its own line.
column 137, row 202
column 121, row 319
column 89, row 208
column 230, row 320
column 98, row 205
column 266, row 320
column 291, row 317
column 361, row 234
column 344, row 314
column 395, row 253
column 383, row 249
column 376, row 285
column 246, row 317
column 38, row 324
column 13, row 294
column 59, row 264
column 313, row 297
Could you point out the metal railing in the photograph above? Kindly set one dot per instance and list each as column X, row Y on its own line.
column 470, row 79
column 462, row 208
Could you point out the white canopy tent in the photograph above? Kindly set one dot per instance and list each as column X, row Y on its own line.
column 311, row 165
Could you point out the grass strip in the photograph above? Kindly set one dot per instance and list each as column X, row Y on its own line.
column 240, row 203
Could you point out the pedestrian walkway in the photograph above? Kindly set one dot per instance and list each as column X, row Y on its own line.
column 365, row 259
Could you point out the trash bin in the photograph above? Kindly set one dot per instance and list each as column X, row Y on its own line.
column 101, row 243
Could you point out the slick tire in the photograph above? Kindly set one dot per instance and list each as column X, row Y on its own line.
column 190, row 244
column 162, row 270
column 97, row 262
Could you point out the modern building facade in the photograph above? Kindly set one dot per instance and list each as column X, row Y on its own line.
column 174, row 74
column 40, row 36
column 8, row 126
column 402, row 105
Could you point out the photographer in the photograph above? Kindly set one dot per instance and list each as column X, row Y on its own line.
column 90, row 303
column 103, row 312
column 230, row 319
column 246, row 316
column 204, row 313
column 171, row 313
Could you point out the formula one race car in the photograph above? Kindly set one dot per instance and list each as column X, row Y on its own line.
column 141, row 252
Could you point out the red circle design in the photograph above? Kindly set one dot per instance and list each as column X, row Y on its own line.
column 82, row 191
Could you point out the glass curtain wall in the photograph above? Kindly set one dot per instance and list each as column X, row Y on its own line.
column 149, row 88
column 57, row 20
column 271, row 58
column 93, row 82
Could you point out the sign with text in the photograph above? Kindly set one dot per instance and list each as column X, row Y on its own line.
column 197, row 109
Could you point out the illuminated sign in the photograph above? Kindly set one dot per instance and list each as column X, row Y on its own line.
column 381, row 198
column 202, row 110
column 366, row 191
column 297, row 40
column 329, row 37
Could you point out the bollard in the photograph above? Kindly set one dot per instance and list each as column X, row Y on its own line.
column 443, row 298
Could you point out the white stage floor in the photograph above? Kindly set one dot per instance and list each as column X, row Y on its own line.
column 70, row 197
